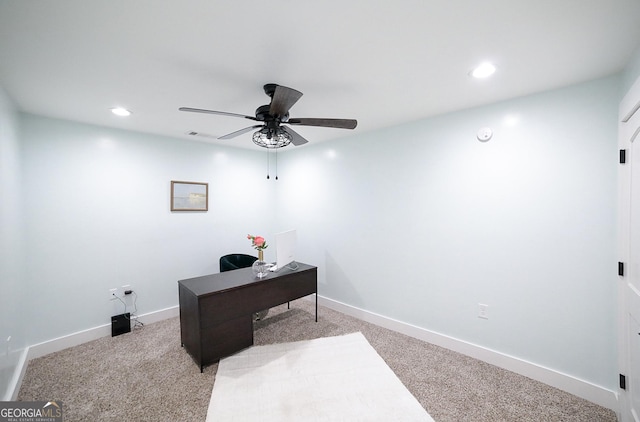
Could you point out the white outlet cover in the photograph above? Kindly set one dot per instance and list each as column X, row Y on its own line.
column 483, row 311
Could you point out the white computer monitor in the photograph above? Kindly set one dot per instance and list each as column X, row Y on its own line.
column 285, row 249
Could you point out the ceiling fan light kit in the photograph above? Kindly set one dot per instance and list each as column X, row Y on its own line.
column 272, row 133
column 271, row 139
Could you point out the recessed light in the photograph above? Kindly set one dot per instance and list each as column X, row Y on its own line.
column 119, row 111
column 486, row 69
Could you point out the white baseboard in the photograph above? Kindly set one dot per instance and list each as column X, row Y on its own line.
column 70, row 340
column 583, row 389
column 18, row 373
column 60, row 343
column 572, row 385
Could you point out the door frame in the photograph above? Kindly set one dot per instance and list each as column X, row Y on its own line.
column 628, row 111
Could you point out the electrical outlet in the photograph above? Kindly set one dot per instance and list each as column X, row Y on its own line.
column 126, row 288
column 483, row 311
column 113, row 293
column 8, row 345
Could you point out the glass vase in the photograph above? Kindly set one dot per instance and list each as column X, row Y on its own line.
column 260, row 267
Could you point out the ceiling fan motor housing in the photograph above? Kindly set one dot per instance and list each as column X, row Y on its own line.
column 270, row 89
column 263, row 115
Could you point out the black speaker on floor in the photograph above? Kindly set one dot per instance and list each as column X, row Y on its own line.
column 120, row 324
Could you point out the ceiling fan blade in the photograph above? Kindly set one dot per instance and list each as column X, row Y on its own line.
column 296, row 139
column 337, row 123
column 222, row 113
column 283, row 99
column 239, row 132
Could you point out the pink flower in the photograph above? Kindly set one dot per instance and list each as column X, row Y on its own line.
column 257, row 242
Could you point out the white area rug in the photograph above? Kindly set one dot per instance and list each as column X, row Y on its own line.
column 327, row 379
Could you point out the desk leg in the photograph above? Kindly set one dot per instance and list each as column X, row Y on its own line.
column 288, row 305
column 316, row 306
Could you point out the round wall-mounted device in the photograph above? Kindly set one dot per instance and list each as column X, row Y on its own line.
column 484, row 134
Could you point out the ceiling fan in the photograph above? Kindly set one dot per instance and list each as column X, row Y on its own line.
column 272, row 132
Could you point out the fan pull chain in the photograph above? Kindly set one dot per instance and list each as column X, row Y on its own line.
column 268, row 164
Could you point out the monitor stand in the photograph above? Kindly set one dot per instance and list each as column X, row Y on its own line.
column 293, row 265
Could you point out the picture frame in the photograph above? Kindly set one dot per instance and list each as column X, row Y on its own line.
column 189, row 196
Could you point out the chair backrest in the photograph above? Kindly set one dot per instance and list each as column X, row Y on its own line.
column 236, row 260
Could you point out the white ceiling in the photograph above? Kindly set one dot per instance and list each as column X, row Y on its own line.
column 381, row 62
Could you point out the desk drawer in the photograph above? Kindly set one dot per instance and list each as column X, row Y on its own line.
column 216, row 309
column 255, row 297
column 283, row 289
column 226, row 338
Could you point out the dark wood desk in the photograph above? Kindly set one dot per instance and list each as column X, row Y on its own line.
column 216, row 311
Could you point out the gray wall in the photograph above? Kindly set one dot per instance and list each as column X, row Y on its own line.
column 97, row 216
column 12, row 282
column 422, row 222
column 631, row 72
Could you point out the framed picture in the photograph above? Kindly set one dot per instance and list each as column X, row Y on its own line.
column 189, row 196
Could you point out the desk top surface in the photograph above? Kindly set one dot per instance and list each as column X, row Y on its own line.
column 228, row 280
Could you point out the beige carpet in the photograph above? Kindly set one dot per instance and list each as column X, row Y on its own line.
column 146, row 376
column 325, row 379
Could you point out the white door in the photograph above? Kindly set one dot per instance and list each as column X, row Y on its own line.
column 629, row 283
